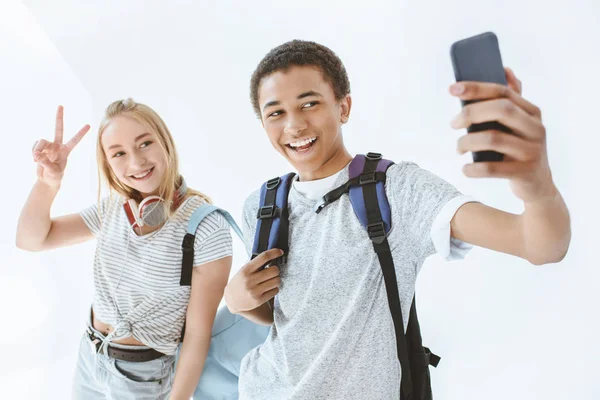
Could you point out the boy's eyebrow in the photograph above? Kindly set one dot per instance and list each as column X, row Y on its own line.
column 271, row 104
column 300, row 96
column 143, row 135
column 309, row 93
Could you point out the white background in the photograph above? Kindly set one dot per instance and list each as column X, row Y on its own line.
column 504, row 328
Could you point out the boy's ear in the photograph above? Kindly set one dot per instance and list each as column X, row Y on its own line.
column 345, row 107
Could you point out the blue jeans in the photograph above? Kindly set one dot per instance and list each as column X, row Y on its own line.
column 98, row 376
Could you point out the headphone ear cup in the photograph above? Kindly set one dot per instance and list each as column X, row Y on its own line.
column 131, row 211
column 152, row 211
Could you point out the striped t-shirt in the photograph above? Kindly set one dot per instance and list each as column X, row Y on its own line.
column 136, row 278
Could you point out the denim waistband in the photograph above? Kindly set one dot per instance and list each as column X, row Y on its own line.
column 101, row 336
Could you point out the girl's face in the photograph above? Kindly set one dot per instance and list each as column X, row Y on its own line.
column 134, row 154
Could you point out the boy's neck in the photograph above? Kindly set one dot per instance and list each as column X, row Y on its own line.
column 335, row 164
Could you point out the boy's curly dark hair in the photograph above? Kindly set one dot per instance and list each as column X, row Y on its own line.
column 301, row 52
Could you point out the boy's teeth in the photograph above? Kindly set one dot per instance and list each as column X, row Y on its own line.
column 302, row 142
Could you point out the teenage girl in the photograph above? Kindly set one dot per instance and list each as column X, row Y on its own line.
column 139, row 307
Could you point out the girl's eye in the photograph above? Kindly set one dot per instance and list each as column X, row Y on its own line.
column 118, row 154
column 146, row 144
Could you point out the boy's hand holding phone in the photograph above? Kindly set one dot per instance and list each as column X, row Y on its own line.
column 524, row 161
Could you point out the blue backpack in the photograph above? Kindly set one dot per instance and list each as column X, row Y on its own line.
column 366, row 190
column 232, row 335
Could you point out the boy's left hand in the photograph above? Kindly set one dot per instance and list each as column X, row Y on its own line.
column 525, row 161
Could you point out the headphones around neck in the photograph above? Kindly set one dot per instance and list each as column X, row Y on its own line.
column 151, row 211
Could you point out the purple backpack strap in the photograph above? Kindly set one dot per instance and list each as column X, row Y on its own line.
column 273, row 226
column 366, row 190
column 367, row 169
column 372, row 208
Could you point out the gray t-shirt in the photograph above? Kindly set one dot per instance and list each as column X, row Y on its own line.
column 333, row 336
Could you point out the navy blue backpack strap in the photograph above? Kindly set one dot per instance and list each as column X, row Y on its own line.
column 273, row 225
column 372, row 208
column 354, row 182
column 366, row 190
column 377, row 221
column 364, row 171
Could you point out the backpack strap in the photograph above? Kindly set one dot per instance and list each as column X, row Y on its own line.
column 366, row 190
column 273, row 225
column 372, row 208
column 187, row 263
column 359, row 180
column 369, row 200
column 188, row 240
column 364, row 171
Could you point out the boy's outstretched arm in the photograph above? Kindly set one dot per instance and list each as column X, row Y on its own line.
column 542, row 233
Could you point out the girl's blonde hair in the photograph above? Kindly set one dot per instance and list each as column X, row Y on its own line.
column 151, row 120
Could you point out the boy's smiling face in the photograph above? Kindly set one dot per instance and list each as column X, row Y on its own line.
column 303, row 120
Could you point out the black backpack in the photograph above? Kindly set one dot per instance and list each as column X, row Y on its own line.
column 366, row 189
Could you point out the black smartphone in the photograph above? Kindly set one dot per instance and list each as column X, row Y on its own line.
column 477, row 58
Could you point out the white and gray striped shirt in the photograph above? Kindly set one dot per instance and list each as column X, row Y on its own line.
column 136, row 278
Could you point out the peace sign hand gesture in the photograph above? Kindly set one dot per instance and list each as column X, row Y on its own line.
column 51, row 157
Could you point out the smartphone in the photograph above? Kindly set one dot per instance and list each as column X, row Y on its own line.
column 477, row 58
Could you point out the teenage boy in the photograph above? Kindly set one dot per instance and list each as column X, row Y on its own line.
column 332, row 334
